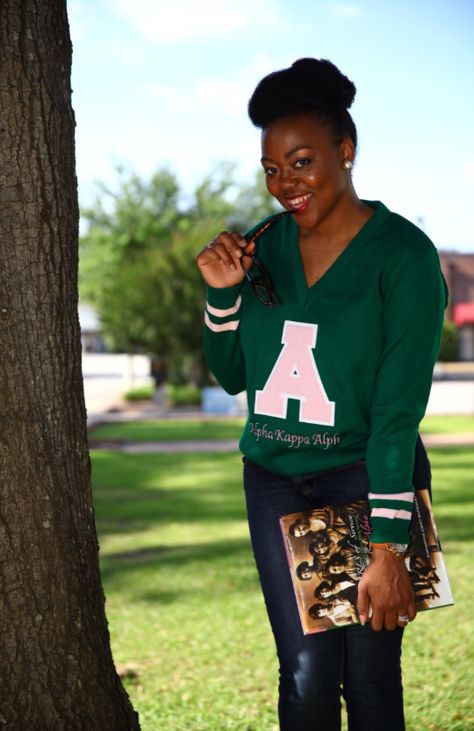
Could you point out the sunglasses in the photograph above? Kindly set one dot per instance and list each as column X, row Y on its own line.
column 256, row 274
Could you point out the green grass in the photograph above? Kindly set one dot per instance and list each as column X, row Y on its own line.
column 185, row 608
column 447, row 424
column 166, row 430
column 230, row 428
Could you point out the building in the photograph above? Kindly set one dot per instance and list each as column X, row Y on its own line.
column 458, row 270
column 91, row 330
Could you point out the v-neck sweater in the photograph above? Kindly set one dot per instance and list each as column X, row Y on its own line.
column 342, row 370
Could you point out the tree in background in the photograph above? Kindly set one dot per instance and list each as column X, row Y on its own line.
column 137, row 261
column 57, row 670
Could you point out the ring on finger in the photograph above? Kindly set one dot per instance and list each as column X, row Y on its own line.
column 403, row 618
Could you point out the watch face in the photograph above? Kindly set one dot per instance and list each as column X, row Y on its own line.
column 399, row 547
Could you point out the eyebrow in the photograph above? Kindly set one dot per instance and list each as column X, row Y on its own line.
column 291, row 152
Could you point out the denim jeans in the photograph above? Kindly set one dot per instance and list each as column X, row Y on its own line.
column 315, row 669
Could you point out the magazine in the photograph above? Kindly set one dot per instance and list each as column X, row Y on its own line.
column 328, row 550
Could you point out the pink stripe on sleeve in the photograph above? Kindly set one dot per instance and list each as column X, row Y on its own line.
column 224, row 313
column 224, row 327
column 388, row 513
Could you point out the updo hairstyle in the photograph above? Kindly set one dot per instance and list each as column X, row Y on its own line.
column 308, row 86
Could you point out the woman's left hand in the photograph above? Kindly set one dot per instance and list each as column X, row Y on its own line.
column 385, row 587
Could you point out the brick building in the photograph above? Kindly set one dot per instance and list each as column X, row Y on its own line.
column 458, row 270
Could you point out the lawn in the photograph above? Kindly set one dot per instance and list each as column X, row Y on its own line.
column 230, row 428
column 184, row 605
column 166, row 430
column 447, row 424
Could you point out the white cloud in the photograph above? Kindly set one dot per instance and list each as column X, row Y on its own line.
column 229, row 96
column 185, row 20
column 344, row 10
column 224, row 96
column 173, row 99
column 124, row 52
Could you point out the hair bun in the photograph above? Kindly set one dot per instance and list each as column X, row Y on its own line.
column 308, row 86
column 322, row 80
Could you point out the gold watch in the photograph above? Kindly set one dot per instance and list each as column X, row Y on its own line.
column 398, row 549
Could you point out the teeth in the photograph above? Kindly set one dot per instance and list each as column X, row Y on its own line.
column 296, row 202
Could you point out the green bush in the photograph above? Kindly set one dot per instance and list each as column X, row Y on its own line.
column 144, row 393
column 183, row 395
column 449, row 343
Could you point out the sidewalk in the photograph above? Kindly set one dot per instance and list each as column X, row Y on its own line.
column 432, row 441
column 144, row 411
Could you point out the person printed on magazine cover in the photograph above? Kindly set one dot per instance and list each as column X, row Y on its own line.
column 345, row 589
column 329, row 315
column 339, row 611
column 313, row 524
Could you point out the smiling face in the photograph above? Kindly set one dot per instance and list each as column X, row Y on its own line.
column 304, row 168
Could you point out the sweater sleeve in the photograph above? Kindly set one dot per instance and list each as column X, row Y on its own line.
column 414, row 298
column 221, row 337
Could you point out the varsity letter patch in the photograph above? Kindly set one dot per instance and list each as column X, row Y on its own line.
column 295, row 375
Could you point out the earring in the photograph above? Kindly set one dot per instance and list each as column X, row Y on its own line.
column 347, row 164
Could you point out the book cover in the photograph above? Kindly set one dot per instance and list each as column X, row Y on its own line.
column 328, row 550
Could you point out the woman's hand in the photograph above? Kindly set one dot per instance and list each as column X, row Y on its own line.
column 385, row 587
column 219, row 261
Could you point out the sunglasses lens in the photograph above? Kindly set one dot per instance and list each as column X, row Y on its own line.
column 260, row 282
column 265, row 295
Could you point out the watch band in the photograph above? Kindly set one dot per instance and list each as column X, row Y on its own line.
column 398, row 549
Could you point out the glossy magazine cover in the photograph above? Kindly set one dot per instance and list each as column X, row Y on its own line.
column 328, row 550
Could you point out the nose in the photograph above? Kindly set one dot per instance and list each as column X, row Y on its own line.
column 287, row 178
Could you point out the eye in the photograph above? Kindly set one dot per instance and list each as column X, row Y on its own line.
column 302, row 162
column 269, row 171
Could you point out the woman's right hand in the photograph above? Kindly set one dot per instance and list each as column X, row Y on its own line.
column 219, row 261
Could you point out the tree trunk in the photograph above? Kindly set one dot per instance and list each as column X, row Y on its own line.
column 56, row 669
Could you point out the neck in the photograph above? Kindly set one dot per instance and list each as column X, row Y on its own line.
column 341, row 224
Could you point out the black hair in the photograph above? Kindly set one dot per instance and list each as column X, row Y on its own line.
column 314, row 610
column 303, row 568
column 337, row 558
column 308, row 86
column 319, row 540
column 322, row 587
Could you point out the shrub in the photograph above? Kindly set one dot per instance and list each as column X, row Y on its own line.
column 183, row 395
column 143, row 393
column 449, row 343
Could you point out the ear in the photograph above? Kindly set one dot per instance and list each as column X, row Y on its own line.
column 347, row 149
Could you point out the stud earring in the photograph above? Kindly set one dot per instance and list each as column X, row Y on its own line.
column 347, row 164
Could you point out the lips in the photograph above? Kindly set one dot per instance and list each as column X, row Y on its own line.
column 298, row 204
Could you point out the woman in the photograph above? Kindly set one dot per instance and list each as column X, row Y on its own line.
column 334, row 339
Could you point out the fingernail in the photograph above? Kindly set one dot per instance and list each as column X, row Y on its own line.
column 232, row 266
column 363, row 619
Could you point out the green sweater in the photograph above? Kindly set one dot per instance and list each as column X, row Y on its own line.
column 342, row 370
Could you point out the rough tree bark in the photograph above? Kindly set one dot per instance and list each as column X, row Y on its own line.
column 56, row 669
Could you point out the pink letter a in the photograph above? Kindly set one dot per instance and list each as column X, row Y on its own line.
column 296, row 376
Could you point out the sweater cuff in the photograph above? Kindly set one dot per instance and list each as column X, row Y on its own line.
column 390, row 516
column 223, row 298
column 389, row 530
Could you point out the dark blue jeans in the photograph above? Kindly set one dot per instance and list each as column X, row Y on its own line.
column 315, row 669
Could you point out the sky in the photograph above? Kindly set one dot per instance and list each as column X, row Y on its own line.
column 165, row 85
